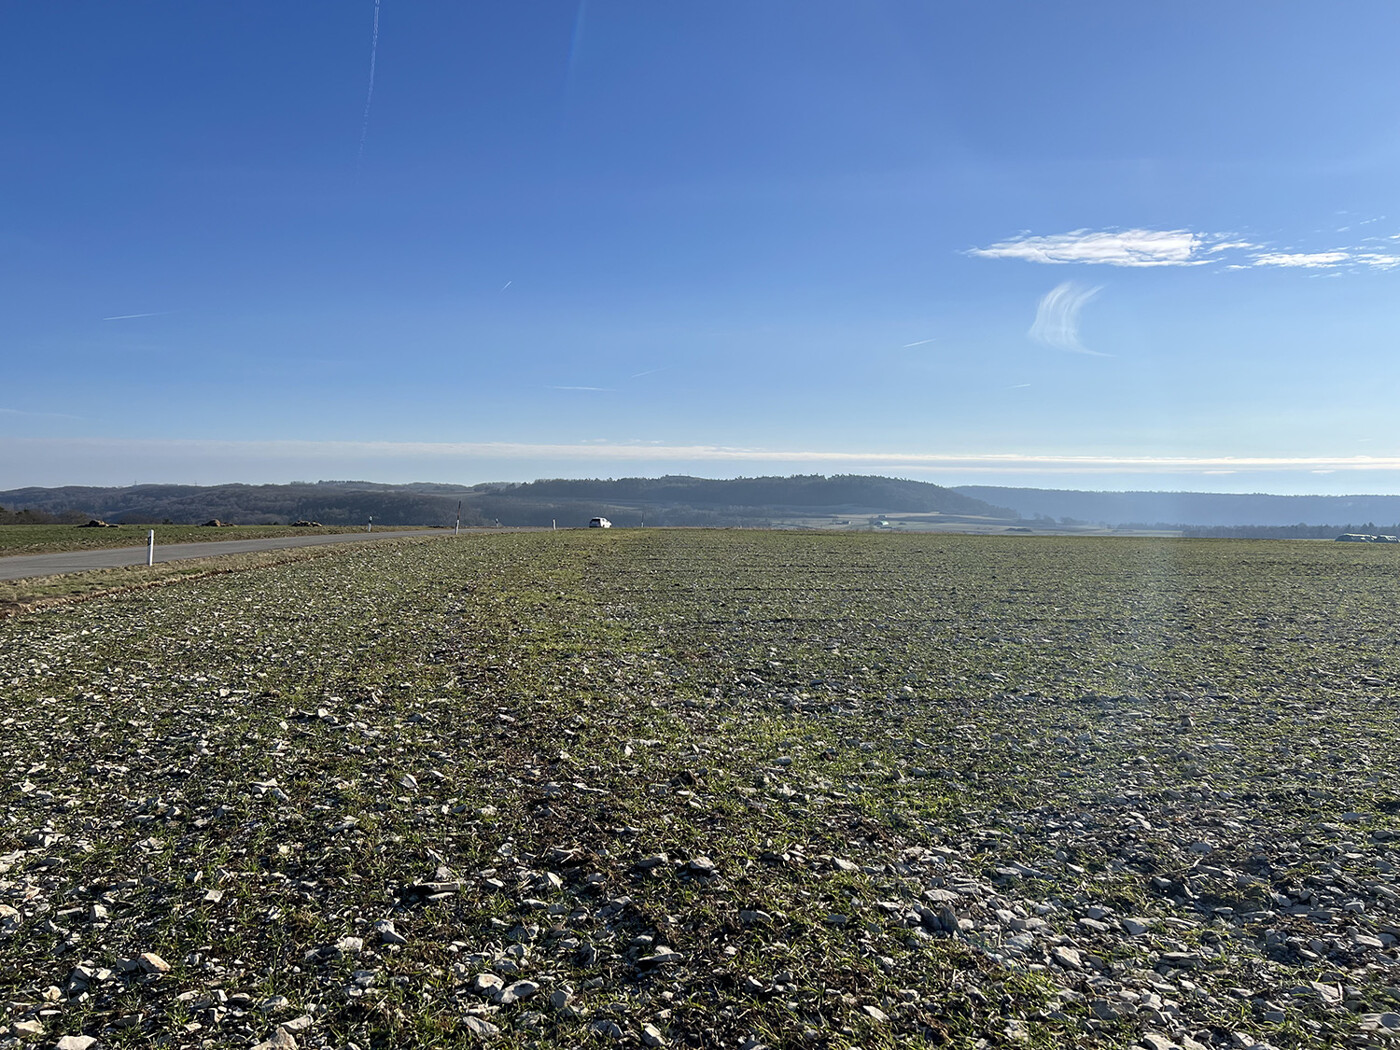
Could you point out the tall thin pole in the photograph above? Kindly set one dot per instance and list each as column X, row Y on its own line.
column 458, row 527
column 151, row 548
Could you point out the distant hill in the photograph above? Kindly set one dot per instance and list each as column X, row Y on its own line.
column 684, row 500
column 1200, row 509
column 672, row 500
column 332, row 503
column 844, row 493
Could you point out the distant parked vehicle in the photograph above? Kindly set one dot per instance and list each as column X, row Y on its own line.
column 599, row 523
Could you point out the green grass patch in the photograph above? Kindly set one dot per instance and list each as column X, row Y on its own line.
column 47, row 539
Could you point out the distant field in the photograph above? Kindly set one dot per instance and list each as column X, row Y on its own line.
column 944, row 523
column 42, row 539
column 702, row 789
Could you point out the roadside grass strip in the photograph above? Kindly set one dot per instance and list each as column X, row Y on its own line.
column 35, row 592
column 48, row 539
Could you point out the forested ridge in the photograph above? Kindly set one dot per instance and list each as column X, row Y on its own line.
column 671, row 500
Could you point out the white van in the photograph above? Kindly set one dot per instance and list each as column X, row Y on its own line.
column 599, row 523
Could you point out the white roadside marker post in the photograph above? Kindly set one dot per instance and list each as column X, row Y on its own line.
column 151, row 548
column 456, row 529
column 371, row 524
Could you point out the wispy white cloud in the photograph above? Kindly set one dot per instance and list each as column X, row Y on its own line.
column 1142, row 248
column 107, row 461
column 1057, row 318
column 128, row 317
column 1136, row 247
column 919, row 342
column 1307, row 260
column 1329, row 260
column 604, row 451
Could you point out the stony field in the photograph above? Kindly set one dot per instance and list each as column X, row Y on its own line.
column 704, row 789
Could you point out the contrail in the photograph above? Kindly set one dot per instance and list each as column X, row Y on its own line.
column 920, row 342
column 369, row 95
column 506, row 285
column 575, row 44
column 128, row 317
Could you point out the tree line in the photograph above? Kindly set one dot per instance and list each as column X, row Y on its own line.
column 674, row 500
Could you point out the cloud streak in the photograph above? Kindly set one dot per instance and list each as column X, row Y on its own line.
column 1104, row 247
column 369, row 95
column 1153, row 248
column 128, row 317
column 1057, row 318
column 989, row 462
column 1327, row 260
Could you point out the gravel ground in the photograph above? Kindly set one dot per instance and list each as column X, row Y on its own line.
column 711, row 789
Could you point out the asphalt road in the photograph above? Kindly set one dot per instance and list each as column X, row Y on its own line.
column 23, row 566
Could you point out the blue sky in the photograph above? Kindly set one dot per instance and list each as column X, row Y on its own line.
column 1094, row 245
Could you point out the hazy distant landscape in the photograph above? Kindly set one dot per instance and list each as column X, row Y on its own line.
column 627, row 502
column 807, row 501
column 1199, row 509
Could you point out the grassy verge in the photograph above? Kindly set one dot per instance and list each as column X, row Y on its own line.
column 33, row 593
column 46, row 539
